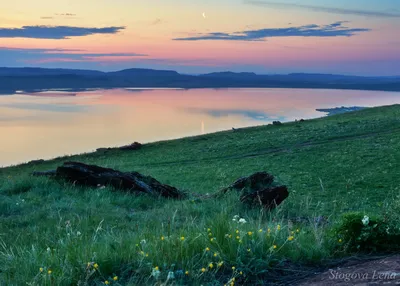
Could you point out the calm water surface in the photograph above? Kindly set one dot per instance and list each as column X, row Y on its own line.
column 50, row 124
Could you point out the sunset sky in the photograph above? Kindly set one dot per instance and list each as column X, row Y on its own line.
column 197, row 36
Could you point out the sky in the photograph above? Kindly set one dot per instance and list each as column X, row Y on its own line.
column 357, row 37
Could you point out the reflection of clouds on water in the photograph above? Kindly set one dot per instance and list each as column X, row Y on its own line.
column 252, row 114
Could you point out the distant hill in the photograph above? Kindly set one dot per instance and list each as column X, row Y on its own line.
column 32, row 79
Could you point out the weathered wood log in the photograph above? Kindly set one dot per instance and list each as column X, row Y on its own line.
column 259, row 189
column 133, row 182
column 268, row 198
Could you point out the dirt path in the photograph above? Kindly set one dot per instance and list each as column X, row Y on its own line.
column 383, row 271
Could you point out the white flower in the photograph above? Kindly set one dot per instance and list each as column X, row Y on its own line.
column 365, row 220
column 48, row 249
column 171, row 275
column 78, row 233
column 242, row 221
column 143, row 241
column 155, row 273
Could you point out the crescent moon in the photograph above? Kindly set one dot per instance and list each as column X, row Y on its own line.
column 204, row 15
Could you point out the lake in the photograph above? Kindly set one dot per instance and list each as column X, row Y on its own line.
column 55, row 123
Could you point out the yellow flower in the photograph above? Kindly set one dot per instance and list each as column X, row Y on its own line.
column 290, row 238
column 156, row 268
column 241, row 273
column 187, row 272
column 275, row 247
column 278, row 227
column 182, row 238
column 297, row 230
column 142, row 252
column 106, row 282
column 49, row 272
column 215, row 254
column 260, row 230
column 211, row 265
column 238, row 237
column 41, row 269
column 220, row 263
column 212, row 239
column 162, row 237
column 209, row 234
column 237, row 231
column 207, row 249
column 250, row 233
column 208, row 229
column 97, row 266
column 340, row 240
column 147, row 255
column 115, row 278
column 292, row 232
column 203, row 270
column 269, row 230
column 248, row 250
column 230, row 236
column 89, row 264
column 233, row 267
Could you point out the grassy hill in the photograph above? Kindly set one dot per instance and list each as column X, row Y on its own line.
column 53, row 233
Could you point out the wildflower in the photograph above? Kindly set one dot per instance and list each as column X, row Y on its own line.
column 233, row 268
column 156, row 268
column 292, row 232
column 269, row 230
column 171, row 275
column 278, row 227
column 215, row 254
column 89, row 264
column 212, row 239
column 41, row 269
column 340, row 240
column 242, row 221
column 211, row 265
column 275, row 247
column 155, row 273
column 96, row 266
column 248, row 250
column 187, row 272
column 240, row 241
column 49, row 272
column 147, row 255
column 365, row 220
column 142, row 252
column 48, row 249
column 238, row 237
column 106, row 282
column 78, row 233
column 182, row 238
column 143, row 241
column 250, row 233
column 241, row 273
column 208, row 229
column 237, row 231
column 115, row 278
column 230, row 236
column 260, row 230
column 162, row 237
column 203, row 270
column 207, row 249
column 220, row 263
column 290, row 238
column 210, row 234
column 297, row 230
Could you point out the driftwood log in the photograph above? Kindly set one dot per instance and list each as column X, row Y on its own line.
column 95, row 176
column 259, row 189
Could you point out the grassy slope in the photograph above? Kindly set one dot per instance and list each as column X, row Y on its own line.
column 331, row 165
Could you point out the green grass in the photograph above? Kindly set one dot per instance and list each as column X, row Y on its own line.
column 333, row 165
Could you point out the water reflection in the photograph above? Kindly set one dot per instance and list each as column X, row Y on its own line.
column 50, row 124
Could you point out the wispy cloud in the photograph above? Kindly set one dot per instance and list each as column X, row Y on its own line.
column 55, row 32
column 333, row 10
column 60, row 15
column 332, row 30
column 61, row 55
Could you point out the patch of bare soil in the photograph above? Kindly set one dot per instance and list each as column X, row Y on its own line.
column 384, row 271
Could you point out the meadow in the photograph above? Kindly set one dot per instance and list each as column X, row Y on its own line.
column 340, row 170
